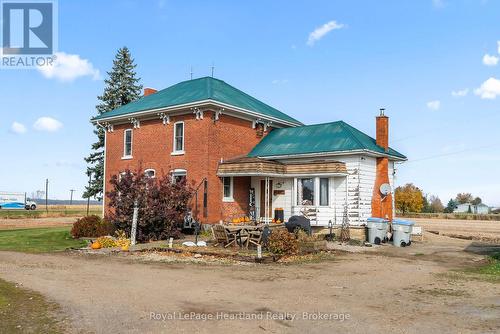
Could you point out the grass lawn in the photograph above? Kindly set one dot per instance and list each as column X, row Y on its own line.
column 24, row 311
column 38, row 240
column 489, row 272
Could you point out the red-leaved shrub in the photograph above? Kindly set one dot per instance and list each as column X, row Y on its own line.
column 162, row 204
column 91, row 227
column 282, row 242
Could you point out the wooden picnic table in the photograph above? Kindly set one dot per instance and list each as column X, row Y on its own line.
column 248, row 227
column 243, row 230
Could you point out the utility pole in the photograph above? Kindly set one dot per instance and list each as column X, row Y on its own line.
column 47, row 195
column 71, row 196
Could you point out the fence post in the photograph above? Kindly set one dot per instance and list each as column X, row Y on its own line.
column 134, row 223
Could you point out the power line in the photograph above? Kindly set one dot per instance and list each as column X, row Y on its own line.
column 453, row 153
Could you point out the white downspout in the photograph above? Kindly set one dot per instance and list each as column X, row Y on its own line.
column 104, row 171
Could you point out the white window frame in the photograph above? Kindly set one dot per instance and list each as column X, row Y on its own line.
column 150, row 170
column 129, row 156
column 317, row 190
column 178, row 172
column 329, row 181
column 174, row 150
column 229, row 198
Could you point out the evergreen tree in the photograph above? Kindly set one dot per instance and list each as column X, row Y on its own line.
column 450, row 207
column 121, row 87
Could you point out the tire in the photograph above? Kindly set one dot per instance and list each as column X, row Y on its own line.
column 377, row 241
column 403, row 244
column 33, row 207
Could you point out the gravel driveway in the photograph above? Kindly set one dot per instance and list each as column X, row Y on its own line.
column 372, row 292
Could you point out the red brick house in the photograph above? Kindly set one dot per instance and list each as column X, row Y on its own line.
column 247, row 158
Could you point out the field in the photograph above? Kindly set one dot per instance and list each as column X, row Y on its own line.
column 453, row 216
column 473, row 229
column 52, row 211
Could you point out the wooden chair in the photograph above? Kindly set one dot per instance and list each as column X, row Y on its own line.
column 310, row 213
column 254, row 237
column 224, row 237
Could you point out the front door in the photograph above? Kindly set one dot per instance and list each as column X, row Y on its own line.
column 263, row 198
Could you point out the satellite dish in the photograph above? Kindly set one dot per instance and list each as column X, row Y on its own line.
column 385, row 189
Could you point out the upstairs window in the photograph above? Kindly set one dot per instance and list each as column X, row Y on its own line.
column 127, row 143
column 179, row 138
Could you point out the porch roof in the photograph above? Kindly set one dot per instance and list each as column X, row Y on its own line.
column 249, row 166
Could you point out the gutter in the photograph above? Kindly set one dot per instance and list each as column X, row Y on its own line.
column 194, row 104
column 332, row 153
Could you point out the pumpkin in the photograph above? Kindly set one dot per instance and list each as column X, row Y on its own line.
column 247, row 219
column 125, row 248
column 235, row 221
column 95, row 245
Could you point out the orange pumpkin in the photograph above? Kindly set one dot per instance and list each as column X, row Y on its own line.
column 96, row 245
column 247, row 219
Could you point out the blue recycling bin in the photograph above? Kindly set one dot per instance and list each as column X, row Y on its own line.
column 401, row 230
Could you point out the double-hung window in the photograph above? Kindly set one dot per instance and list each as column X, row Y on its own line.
column 227, row 189
column 127, row 143
column 178, row 138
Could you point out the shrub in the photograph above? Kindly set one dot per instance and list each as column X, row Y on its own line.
column 91, row 227
column 282, row 242
column 162, row 205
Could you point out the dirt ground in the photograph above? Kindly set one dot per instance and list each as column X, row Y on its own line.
column 384, row 290
column 9, row 224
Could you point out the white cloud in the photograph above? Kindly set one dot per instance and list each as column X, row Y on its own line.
column 434, row 105
column 460, row 93
column 320, row 32
column 48, row 124
column 438, row 3
column 67, row 67
column 489, row 60
column 18, row 128
column 489, row 89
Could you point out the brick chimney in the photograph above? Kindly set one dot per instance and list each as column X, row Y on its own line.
column 382, row 205
column 149, row 91
column 383, row 130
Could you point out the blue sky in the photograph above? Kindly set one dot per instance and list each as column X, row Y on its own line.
column 432, row 64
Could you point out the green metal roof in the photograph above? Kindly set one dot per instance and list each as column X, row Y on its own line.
column 318, row 138
column 206, row 88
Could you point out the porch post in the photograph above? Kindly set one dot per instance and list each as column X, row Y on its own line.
column 266, row 199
